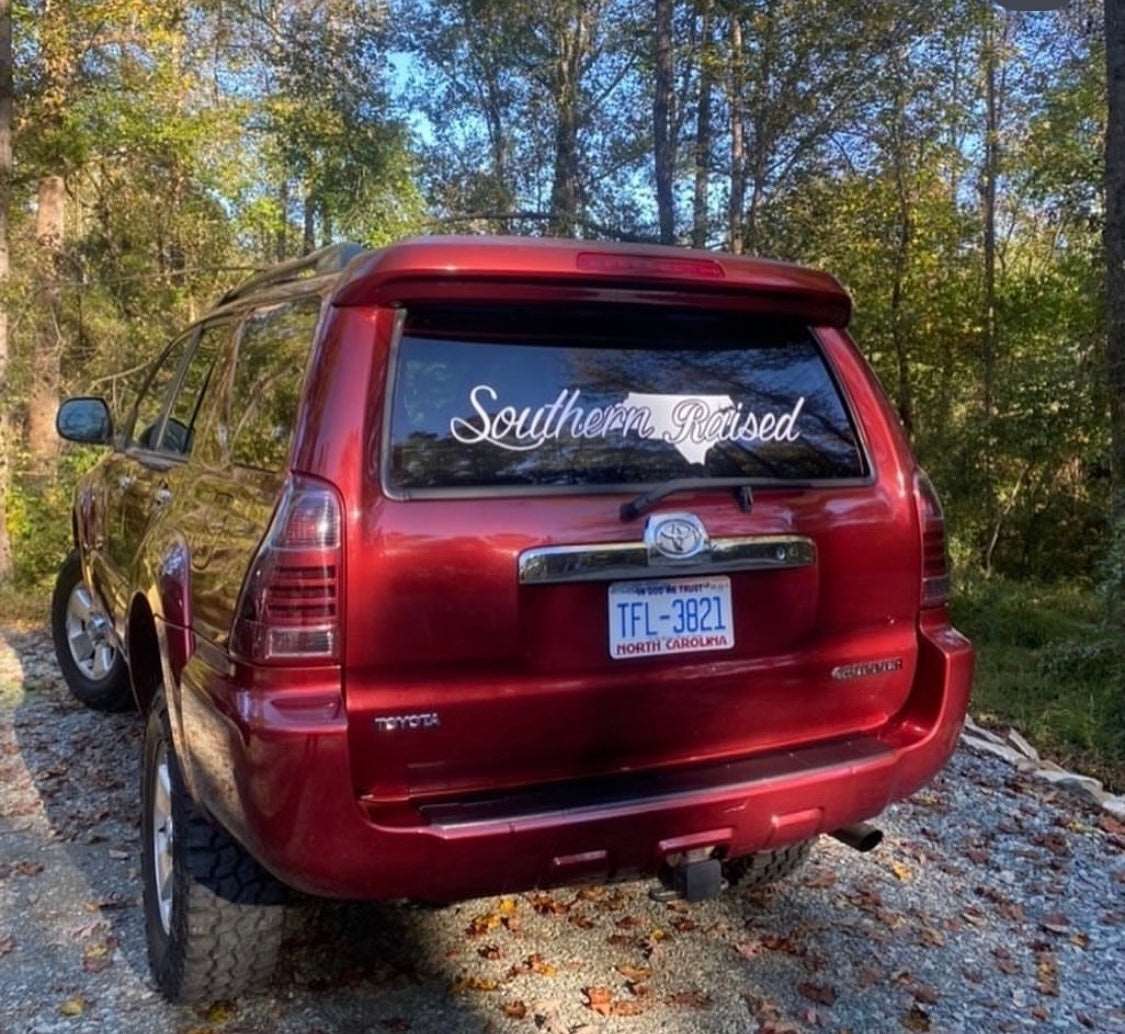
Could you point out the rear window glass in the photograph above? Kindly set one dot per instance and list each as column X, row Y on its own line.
column 268, row 372
column 604, row 397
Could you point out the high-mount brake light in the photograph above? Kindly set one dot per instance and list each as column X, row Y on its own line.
column 289, row 610
column 648, row 265
column 935, row 560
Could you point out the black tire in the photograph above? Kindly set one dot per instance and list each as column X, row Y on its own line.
column 757, row 870
column 112, row 692
column 227, row 912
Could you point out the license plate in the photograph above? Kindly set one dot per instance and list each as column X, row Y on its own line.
column 669, row 615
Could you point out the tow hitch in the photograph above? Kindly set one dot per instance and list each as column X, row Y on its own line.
column 692, row 876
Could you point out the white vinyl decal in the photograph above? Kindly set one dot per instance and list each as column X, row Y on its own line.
column 694, row 424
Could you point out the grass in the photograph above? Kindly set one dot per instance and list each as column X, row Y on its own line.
column 1047, row 665
column 24, row 606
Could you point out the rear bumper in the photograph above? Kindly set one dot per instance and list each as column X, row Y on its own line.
column 273, row 768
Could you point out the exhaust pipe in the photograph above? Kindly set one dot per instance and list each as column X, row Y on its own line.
column 861, row 837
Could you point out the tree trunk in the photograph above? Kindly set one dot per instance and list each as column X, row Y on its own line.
column 899, row 331
column 325, row 224
column 664, row 147
column 5, row 199
column 42, row 442
column 570, row 48
column 281, row 247
column 737, row 148
column 703, row 137
column 309, row 242
column 1115, row 281
column 989, row 337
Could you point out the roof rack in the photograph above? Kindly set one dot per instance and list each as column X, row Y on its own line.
column 325, row 260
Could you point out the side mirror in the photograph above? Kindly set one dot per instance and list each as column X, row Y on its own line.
column 85, row 420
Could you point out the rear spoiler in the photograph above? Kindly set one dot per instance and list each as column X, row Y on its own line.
column 490, row 269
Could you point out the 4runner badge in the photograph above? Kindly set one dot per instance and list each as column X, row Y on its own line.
column 396, row 722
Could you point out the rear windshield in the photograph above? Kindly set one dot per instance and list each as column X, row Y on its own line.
column 542, row 397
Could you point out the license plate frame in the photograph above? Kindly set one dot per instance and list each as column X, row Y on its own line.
column 654, row 618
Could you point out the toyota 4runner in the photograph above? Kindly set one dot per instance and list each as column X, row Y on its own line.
column 473, row 565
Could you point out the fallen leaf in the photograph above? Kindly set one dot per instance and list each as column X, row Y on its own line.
column 902, row 871
column 1047, row 974
column 1111, row 825
column 491, row 952
column 97, row 956
column 507, row 907
column 749, row 949
column 819, row 993
column 7, row 944
column 482, row 924
column 931, row 937
column 822, row 879
column 599, row 999
column 916, row 1019
column 546, row 905
column 466, row 983
column 925, row 994
column 634, row 973
column 516, row 1010
column 1056, row 922
column 692, row 999
column 220, row 1012
column 28, row 868
column 72, row 1007
column 537, row 965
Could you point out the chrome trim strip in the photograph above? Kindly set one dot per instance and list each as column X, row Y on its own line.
column 619, row 561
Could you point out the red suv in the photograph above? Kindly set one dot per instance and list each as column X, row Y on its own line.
column 473, row 565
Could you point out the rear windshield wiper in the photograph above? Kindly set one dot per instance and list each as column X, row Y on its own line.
column 635, row 508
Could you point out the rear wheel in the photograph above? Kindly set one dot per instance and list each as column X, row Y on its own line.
column 91, row 664
column 757, row 870
column 213, row 915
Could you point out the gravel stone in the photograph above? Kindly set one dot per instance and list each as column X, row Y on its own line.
column 996, row 903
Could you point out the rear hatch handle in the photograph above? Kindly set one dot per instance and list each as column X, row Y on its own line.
column 638, row 507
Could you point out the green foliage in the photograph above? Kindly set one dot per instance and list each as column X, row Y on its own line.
column 39, row 520
column 1047, row 664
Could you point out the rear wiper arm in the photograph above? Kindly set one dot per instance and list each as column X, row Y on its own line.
column 635, row 508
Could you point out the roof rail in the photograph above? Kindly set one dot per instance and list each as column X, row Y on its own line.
column 325, row 260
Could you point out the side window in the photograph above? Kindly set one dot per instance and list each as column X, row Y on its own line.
column 150, row 404
column 265, row 391
column 179, row 429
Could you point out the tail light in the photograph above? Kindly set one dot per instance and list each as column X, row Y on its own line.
column 935, row 560
column 289, row 610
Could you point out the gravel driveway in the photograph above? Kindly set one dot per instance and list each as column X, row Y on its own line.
column 994, row 905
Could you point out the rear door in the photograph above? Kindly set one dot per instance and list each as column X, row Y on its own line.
column 132, row 478
column 541, row 633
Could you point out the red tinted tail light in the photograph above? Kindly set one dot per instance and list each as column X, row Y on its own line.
column 935, row 560
column 289, row 610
